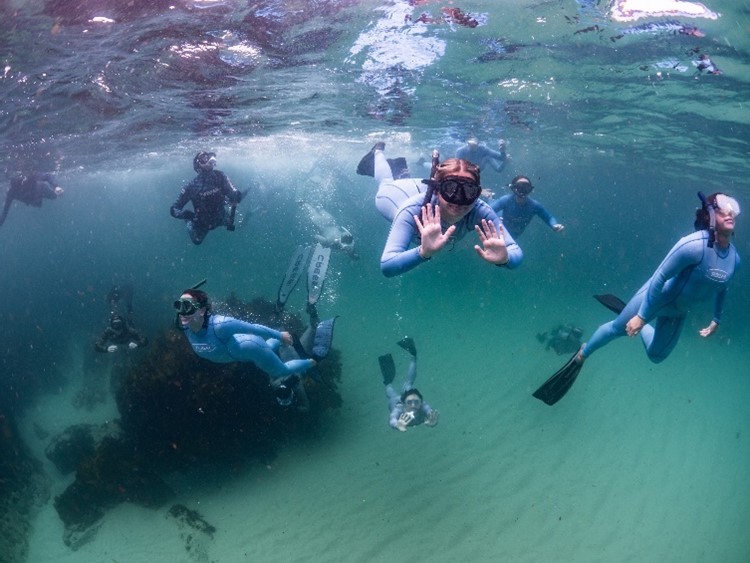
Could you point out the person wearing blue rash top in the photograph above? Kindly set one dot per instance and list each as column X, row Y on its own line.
column 482, row 155
column 223, row 339
column 208, row 193
column 518, row 209
column 448, row 210
column 697, row 269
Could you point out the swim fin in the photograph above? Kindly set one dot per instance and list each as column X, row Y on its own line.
column 323, row 338
column 399, row 167
column 407, row 343
column 316, row 272
column 611, row 302
column 387, row 368
column 293, row 273
column 560, row 383
column 366, row 166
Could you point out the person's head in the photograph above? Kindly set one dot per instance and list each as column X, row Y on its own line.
column 457, row 185
column 346, row 242
column 473, row 142
column 412, row 400
column 204, row 161
column 521, row 186
column 717, row 212
column 117, row 323
column 192, row 307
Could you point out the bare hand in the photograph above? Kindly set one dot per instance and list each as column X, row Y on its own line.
column 557, row 228
column 709, row 330
column 286, row 338
column 132, row 345
column 634, row 325
column 404, row 420
column 431, row 231
column 493, row 248
column 432, row 418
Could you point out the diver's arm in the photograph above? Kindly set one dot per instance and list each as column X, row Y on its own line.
column 397, row 257
column 228, row 326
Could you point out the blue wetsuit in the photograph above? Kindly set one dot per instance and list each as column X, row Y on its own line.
column 690, row 273
column 226, row 339
column 517, row 217
column 398, row 258
column 208, row 193
column 482, row 156
column 393, row 193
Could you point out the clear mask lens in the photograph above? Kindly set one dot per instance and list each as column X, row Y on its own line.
column 727, row 204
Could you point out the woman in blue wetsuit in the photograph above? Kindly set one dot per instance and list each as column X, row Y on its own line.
column 699, row 268
column 447, row 211
column 518, row 209
column 222, row 339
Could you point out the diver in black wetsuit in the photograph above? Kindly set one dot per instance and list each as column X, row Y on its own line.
column 32, row 190
column 208, row 192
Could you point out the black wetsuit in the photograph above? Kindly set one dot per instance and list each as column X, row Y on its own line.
column 208, row 193
column 127, row 335
column 32, row 190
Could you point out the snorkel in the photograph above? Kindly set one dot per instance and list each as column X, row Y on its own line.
column 711, row 219
column 431, row 184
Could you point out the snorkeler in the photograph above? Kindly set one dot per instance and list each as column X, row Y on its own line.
column 119, row 332
column 209, row 193
column 408, row 408
column 31, row 189
column 699, row 267
column 483, row 156
column 518, row 209
column 449, row 209
column 329, row 232
column 223, row 339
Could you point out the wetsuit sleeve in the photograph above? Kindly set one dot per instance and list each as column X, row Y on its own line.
column 515, row 254
column 103, row 341
column 544, row 215
column 230, row 192
column 226, row 327
column 684, row 254
column 397, row 257
column 134, row 335
column 182, row 199
column 393, row 419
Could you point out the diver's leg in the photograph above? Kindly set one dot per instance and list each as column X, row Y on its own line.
column 607, row 332
column 411, row 375
column 251, row 348
column 660, row 340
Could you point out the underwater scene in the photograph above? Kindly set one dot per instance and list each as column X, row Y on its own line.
column 254, row 309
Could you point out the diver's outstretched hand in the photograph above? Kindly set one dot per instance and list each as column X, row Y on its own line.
column 432, row 418
column 709, row 330
column 493, row 248
column 403, row 421
column 431, row 231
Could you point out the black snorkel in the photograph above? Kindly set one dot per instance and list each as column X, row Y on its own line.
column 431, row 183
column 711, row 219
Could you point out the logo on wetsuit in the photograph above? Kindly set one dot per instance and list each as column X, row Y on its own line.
column 203, row 348
column 717, row 275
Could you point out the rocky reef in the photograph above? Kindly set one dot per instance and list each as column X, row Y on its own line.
column 178, row 411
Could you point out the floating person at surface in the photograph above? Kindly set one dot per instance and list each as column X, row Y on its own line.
column 673, row 27
column 31, row 189
column 518, row 209
column 483, row 156
column 436, row 212
column 223, row 339
column 407, row 408
column 120, row 332
column 705, row 64
column 209, row 193
column 329, row 233
column 699, row 267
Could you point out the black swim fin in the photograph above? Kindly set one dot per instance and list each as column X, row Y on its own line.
column 560, row 383
column 611, row 302
column 407, row 343
column 366, row 166
column 323, row 338
column 387, row 368
column 399, row 168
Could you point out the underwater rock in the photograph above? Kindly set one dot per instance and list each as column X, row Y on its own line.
column 178, row 411
column 23, row 488
column 69, row 449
